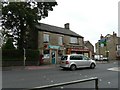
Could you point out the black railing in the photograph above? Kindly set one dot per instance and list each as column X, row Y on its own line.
column 68, row 83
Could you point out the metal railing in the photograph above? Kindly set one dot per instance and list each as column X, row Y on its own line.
column 68, row 83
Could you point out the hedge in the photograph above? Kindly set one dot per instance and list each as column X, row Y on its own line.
column 32, row 55
column 12, row 54
column 19, row 55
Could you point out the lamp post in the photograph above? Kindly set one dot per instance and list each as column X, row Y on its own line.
column 24, row 56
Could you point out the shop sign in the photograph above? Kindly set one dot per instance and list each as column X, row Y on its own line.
column 77, row 49
column 61, row 48
column 53, row 47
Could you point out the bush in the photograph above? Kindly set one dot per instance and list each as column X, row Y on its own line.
column 31, row 55
column 8, row 54
column 8, row 44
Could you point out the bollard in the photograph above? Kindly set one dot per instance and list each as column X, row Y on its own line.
column 96, row 83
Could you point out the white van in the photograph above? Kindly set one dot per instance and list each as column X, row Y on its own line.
column 74, row 61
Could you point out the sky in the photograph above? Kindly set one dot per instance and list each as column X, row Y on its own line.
column 88, row 18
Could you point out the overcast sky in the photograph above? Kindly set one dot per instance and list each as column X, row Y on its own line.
column 88, row 18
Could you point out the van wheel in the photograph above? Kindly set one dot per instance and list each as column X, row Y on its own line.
column 92, row 66
column 73, row 67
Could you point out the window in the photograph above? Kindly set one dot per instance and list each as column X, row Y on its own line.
column 60, row 40
column 60, row 53
column 86, row 58
column 46, row 38
column 76, row 58
column 64, row 57
column 46, row 54
column 118, row 47
column 73, row 40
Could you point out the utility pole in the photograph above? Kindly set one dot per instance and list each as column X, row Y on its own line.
column 99, row 49
column 24, row 56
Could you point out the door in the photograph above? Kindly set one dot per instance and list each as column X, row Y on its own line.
column 86, row 61
column 53, row 54
column 81, row 61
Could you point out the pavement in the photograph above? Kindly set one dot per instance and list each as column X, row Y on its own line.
column 41, row 67
column 28, row 67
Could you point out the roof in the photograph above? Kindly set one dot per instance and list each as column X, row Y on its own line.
column 55, row 29
column 86, row 42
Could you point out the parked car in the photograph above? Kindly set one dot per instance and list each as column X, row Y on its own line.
column 74, row 61
column 98, row 57
column 105, row 58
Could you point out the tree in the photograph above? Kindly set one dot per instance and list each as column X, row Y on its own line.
column 8, row 44
column 18, row 18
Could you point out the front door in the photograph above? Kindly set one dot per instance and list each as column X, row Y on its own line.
column 53, row 54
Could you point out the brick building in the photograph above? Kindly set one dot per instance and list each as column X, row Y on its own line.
column 90, row 48
column 118, row 49
column 107, row 46
column 55, row 41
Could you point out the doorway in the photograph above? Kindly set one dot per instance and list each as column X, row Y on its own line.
column 53, row 55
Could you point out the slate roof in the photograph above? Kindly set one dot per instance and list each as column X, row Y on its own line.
column 58, row 30
column 85, row 42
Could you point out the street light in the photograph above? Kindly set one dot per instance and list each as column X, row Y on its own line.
column 24, row 55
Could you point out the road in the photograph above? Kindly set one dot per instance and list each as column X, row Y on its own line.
column 107, row 74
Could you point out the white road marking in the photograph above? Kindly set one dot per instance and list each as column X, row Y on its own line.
column 109, row 82
column 100, row 79
column 44, row 76
column 52, row 81
column 61, row 87
column 114, row 69
column 85, row 75
column 115, row 62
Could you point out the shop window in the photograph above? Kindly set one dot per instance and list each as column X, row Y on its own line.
column 60, row 53
column 46, row 54
column 73, row 40
column 46, row 38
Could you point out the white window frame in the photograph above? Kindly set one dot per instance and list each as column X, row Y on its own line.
column 118, row 47
column 74, row 40
column 60, row 40
column 46, row 37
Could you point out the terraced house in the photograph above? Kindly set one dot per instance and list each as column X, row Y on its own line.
column 55, row 41
column 109, row 46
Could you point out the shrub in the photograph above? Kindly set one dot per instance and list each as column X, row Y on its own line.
column 8, row 44
column 31, row 55
column 12, row 54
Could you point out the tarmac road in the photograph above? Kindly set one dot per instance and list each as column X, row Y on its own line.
column 35, row 76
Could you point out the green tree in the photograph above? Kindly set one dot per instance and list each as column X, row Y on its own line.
column 19, row 17
column 8, row 44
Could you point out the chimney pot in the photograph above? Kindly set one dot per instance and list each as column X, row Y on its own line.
column 67, row 26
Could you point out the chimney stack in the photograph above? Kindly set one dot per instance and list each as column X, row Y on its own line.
column 67, row 26
column 114, row 34
column 101, row 36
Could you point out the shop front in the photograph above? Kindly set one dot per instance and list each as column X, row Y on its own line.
column 79, row 51
column 52, row 54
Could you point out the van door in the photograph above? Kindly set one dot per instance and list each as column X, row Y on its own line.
column 86, row 61
column 77, row 60
column 81, row 61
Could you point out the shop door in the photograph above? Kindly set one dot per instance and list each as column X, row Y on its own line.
column 53, row 54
